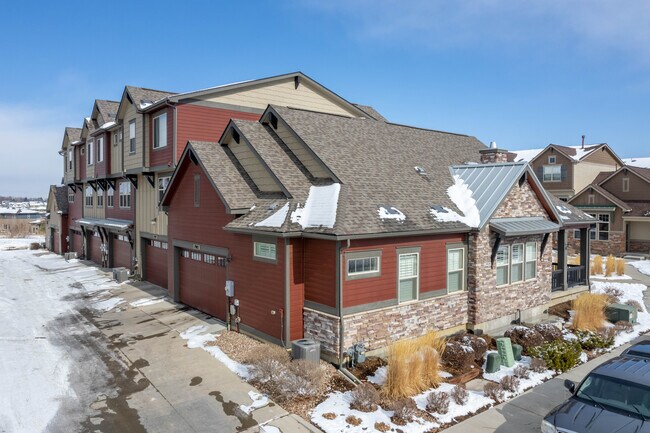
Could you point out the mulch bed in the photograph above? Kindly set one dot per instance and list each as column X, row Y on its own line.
column 367, row 367
column 561, row 310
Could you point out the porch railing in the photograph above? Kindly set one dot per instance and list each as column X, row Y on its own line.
column 557, row 280
column 576, row 275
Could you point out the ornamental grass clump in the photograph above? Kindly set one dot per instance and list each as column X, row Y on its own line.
column 610, row 265
column 620, row 266
column 597, row 267
column 589, row 311
column 414, row 365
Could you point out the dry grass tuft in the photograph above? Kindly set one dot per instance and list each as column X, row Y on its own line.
column 329, row 415
column 597, row 267
column 414, row 365
column 589, row 311
column 353, row 420
column 620, row 266
column 382, row 427
column 610, row 265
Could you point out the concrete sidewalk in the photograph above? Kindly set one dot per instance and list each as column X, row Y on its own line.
column 177, row 388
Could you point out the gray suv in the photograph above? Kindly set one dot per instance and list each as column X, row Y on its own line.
column 614, row 397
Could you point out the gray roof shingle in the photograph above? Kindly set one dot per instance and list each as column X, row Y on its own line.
column 143, row 97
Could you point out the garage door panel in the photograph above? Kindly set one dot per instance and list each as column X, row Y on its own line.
column 95, row 249
column 201, row 285
column 121, row 253
column 77, row 242
column 156, row 263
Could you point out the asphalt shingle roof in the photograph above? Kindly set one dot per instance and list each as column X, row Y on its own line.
column 107, row 111
column 143, row 97
column 61, row 196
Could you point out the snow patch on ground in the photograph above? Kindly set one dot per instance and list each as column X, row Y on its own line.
column 379, row 378
column 642, row 266
column 259, row 400
column 534, row 379
column 320, row 207
column 146, row 301
column 107, row 304
column 197, row 338
column 611, row 277
column 276, row 219
column 461, row 195
column 476, row 401
column 18, row 243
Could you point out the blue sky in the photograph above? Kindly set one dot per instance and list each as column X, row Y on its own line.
column 523, row 74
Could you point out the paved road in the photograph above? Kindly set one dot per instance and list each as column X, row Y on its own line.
column 66, row 367
column 524, row 414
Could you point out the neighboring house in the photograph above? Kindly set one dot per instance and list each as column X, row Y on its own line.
column 637, row 162
column 566, row 170
column 56, row 227
column 349, row 229
column 620, row 202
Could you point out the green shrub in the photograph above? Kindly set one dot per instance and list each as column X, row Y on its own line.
column 594, row 340
column 558, row 355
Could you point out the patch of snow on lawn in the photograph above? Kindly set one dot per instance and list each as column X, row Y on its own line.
column 630, row 292
column 320, row 207
column 475, row 401
column 259, row 400
column 269, row 429
column 642, row 266
column 379, row 378
column 611, row 277
column 461, row 195
column 391, row 213
column 146, row 301
column 18, row 243
column 339, row 403
column 276, row 219
column 196, row 338
column 534, row 379
column 107, row 304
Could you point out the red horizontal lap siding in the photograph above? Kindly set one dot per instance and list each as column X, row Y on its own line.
column 259, row 286
column 75, row 209
column 101, row 167
column 164, row 155
column 433, row 265
column 199, row 123
column 320, row 271
column 116, row 211
column 297, row 289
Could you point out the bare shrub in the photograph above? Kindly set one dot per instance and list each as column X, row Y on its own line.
column 620, row 266
column 459, row 394
column 509, row 383
column 522, row 372
column 538, row 365
column 634, row 303
column 382, row 427
column 364, row 398
column 268, row 351
column 524, row 336
column 19, row 228
column 438, row 402
column 353, row 420
column 404, row 411
column 34, row 246
column 494, row 391
column 623, row 326
column 329, row 415
column 610, row 265
column 613, row 295
column 607, row 334
column 597, row 267
column 302, row 380
column 459, row 356
column 478, row 344
column 589, row 311
column 549, row 332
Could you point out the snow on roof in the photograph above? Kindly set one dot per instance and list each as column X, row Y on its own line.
column 526, row 155
column 638, row 162
column 320, row 207
column 107, row 125
column 391, row 213
column 563, row 209
column 276, row 219
column 461, row 195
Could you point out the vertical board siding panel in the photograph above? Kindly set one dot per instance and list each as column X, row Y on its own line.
column 296, row 288
column 432, row 272
column 81, row 161
column 320, row 271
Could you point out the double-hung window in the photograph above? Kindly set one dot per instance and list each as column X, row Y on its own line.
column 162, row 186
column 100, row 198
column 110, row 197
column 100, row 149
column 531, row 260
column 552, row 173
column 160, row 131
column 517, row 264
column 408, row 276
column 503, row 265
column 601, row 232
column 88, row 194
column 455, row 269
column 132, row 136
column 70, row 195
column 125, row 194
column 89, row 153
column 70, row 159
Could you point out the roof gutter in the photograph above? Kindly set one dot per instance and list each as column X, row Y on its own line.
column 335, row 237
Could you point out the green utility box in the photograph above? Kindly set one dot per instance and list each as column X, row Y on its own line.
column 493, row 362
column 618, row 312
column 504, row 347
column 516, row 351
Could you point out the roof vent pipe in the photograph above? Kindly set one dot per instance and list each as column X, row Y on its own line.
column 493, row 145
column 583, row 141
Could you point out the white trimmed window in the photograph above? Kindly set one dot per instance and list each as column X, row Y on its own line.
column 110, row 197
column 517, row 264
column 552, row 159
column 100, row 149
column 601, row 232
column 70, row 195
column 531, row 260
column 455, row 270
column 552, row 173
column 115, row 138
column 89, row 154
column 125, row 194
column 503, row 265
column 88, row 194
column 160, row 131
column 408, row 276
column 591, row 199
column 361, row 266
column 163, row 182
column 100, row 198
column 132, row 136
column 70, row 159
column 264, row 250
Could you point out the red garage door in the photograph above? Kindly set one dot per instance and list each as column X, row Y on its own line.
column 121, row 252
column 94, row 249
column 202, row 280
column 155, row 255
column 77, row 242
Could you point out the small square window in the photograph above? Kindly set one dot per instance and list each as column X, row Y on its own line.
column 265, row 250
column 552, row 159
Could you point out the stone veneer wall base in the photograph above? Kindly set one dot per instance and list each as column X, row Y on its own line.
column 498, row 326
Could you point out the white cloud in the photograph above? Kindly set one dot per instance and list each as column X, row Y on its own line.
column 29, row 141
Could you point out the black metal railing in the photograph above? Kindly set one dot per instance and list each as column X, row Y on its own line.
column 557, row 280
column 576, row 275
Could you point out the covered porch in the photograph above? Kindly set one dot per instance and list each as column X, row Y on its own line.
column 567, row 276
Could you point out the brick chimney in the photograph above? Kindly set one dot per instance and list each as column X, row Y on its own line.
column 493, row 154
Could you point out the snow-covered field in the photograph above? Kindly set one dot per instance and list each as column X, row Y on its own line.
column 35, row 289
column 642, row 266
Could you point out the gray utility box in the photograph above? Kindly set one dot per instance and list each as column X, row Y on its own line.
column 617, row 312
column 70, row 256
column 307, row 349
column 120, row 274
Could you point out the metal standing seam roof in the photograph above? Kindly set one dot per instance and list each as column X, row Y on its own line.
column 489, row 183
column 523, row 226
column 108, row 223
